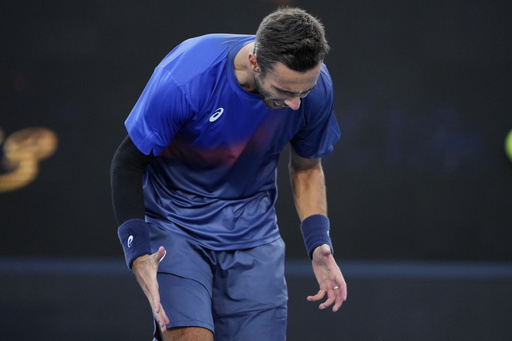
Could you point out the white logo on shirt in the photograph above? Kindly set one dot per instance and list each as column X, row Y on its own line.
column 130, row 241
column 216, row 114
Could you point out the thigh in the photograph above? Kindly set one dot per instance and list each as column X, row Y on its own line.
column 184, row 279
column 250, row 294
column 186, row 302
column 183, row 257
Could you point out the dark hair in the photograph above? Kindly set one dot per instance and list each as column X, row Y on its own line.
column 291, row 36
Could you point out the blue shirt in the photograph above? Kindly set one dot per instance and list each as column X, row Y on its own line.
column 218, row 146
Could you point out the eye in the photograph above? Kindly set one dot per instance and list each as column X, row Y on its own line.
column 304, row 94
column 284, row 93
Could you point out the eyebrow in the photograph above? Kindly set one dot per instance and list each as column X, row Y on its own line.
column 293, row 92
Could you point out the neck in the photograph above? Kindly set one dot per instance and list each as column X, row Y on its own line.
column 244, row 73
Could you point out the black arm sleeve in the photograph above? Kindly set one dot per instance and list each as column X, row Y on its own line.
column 126, row 172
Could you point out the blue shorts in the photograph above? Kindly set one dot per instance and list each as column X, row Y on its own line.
column 238, row 295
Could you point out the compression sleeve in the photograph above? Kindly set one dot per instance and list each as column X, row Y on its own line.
column 126, row 173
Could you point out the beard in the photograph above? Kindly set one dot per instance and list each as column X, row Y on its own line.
column 266, row 96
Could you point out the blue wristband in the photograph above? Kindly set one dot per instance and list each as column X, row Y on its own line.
column 315, row 230
column 134, row 236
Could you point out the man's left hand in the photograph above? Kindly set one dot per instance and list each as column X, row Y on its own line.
column 330, row 279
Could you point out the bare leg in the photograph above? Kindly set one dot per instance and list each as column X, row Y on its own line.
column 187, row 334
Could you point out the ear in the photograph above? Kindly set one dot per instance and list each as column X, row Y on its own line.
column 253, row 61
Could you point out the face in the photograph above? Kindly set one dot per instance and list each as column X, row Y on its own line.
column 284, row 88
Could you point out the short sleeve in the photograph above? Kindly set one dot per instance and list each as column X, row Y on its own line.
column 160, row 112
column 320, row 131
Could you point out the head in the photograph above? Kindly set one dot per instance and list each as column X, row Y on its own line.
column 288, row 53
column 292, row 37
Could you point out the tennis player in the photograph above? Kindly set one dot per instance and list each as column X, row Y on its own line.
column 194, row 182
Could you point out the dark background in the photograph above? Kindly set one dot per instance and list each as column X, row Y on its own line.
column 423, row 95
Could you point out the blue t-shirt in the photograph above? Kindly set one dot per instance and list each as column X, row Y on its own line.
column 218, row 146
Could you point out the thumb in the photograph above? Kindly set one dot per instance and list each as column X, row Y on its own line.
column 321, row 252
column 325, row 250
column 160, row 254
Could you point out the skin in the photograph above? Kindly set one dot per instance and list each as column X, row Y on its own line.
column 279, row 88
column 308, row 185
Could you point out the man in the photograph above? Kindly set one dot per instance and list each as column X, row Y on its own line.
column 194, row 183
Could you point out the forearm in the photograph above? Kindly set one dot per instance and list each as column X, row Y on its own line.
column 308, row 186
column 126, row 175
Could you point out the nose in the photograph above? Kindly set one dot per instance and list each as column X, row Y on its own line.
column 293, row 102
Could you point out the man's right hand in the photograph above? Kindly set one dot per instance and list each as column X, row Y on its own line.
column 145, row 269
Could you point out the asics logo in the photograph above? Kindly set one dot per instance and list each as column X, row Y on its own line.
column 218, row 113
column 130, row 241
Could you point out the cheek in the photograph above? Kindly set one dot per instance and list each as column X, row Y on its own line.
column 273, row 95
column 263, row 90
column 265, row 94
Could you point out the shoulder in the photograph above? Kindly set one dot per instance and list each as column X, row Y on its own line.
column 322, row 95
column 201, row 54
column 324, row 80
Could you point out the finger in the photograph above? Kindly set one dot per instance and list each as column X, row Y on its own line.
column 318, row 296
column 331, row 297
column 160, row 254
column 340, row 293
column 155, row 297
column 162, row 318
column 164, row 315
column 339, row 301
column 337, row 305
